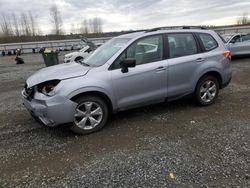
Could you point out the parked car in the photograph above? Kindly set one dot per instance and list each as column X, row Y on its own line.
column 238, row 44
column 78, row 46
column 123, row 74
column 77, row 56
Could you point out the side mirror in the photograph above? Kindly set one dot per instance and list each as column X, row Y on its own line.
column 125, row 64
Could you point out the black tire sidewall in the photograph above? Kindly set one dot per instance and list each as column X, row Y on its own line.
column 104, row 107
column 198, row 99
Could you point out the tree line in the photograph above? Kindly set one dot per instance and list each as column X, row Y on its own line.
column 13, row 25
column 25, row 24
column 243, row 20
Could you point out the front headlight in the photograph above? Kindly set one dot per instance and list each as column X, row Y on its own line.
column 47, row 87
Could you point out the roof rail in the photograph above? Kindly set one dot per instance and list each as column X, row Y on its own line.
column 175, row 27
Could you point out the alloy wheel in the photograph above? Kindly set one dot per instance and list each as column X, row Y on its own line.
column 88, row 115
column 208, row 91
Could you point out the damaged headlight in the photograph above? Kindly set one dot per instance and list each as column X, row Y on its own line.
column 47, row 87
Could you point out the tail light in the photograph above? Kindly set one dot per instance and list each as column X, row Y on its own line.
column 227, row 54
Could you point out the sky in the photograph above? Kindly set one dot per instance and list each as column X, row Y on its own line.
column 120, row 15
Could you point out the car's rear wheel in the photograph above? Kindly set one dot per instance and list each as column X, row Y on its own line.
column 207, row 90
column 77, row 59
column 91, row 115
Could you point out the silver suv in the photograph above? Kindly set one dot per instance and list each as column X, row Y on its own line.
column 129, row 71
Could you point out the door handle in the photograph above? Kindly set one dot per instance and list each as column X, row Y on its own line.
column 200, row 60
column 160, row 68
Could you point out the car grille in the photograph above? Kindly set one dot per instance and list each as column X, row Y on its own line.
column 29, row 92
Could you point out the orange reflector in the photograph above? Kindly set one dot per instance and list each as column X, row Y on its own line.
column 227, row 54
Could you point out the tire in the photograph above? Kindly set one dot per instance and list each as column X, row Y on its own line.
column 78, row 59
column 90, row 116
column 206, row 91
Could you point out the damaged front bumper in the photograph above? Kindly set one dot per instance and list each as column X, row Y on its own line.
column 51, row 111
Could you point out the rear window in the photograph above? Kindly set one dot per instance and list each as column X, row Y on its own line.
column 208, row 41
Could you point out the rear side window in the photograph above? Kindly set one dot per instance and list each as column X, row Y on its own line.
column 208, row 41
column 181, row 44
column 246, row 38
column 236, row 39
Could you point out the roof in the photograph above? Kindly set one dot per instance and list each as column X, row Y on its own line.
column 131, row 35
column 160, row 31
column 233, row 34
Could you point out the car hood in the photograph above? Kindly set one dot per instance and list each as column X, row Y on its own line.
column 71, row 54
column 57, row 72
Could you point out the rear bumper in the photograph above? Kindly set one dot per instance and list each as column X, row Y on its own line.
column 226, row 83
column 51, row 111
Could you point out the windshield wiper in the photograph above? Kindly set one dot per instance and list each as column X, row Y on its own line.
column 85, row 64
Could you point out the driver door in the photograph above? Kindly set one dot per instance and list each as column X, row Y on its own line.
column 236, row 45
column 145, row 83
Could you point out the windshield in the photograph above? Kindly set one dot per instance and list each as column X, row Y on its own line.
column 84, row 49
column 102, row 54
column 227, row 37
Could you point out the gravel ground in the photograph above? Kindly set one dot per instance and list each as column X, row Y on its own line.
column 173, row 144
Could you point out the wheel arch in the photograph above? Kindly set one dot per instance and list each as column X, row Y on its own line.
column 100, row 94
column 216, row 74
column 78, row 57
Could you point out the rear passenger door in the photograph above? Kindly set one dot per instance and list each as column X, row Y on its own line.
column 185, row 57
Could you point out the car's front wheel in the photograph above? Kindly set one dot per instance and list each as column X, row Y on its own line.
column 91, row 115
column 207, row 90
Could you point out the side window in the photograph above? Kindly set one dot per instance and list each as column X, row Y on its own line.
column 146, row 50
column 181, row 44
column 246, row 38
column 236, row 39
column 208, row 41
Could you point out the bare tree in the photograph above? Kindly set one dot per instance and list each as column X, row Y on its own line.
column 6, row 26
column 73, row 29
column 90, row 26
column 97, row 25
column 25, row 25
column 32, row 24
column 100, row 25
column 78, row 29
column 243, row 19
column 56, row 20
column 15, row 25
column 85, row 27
